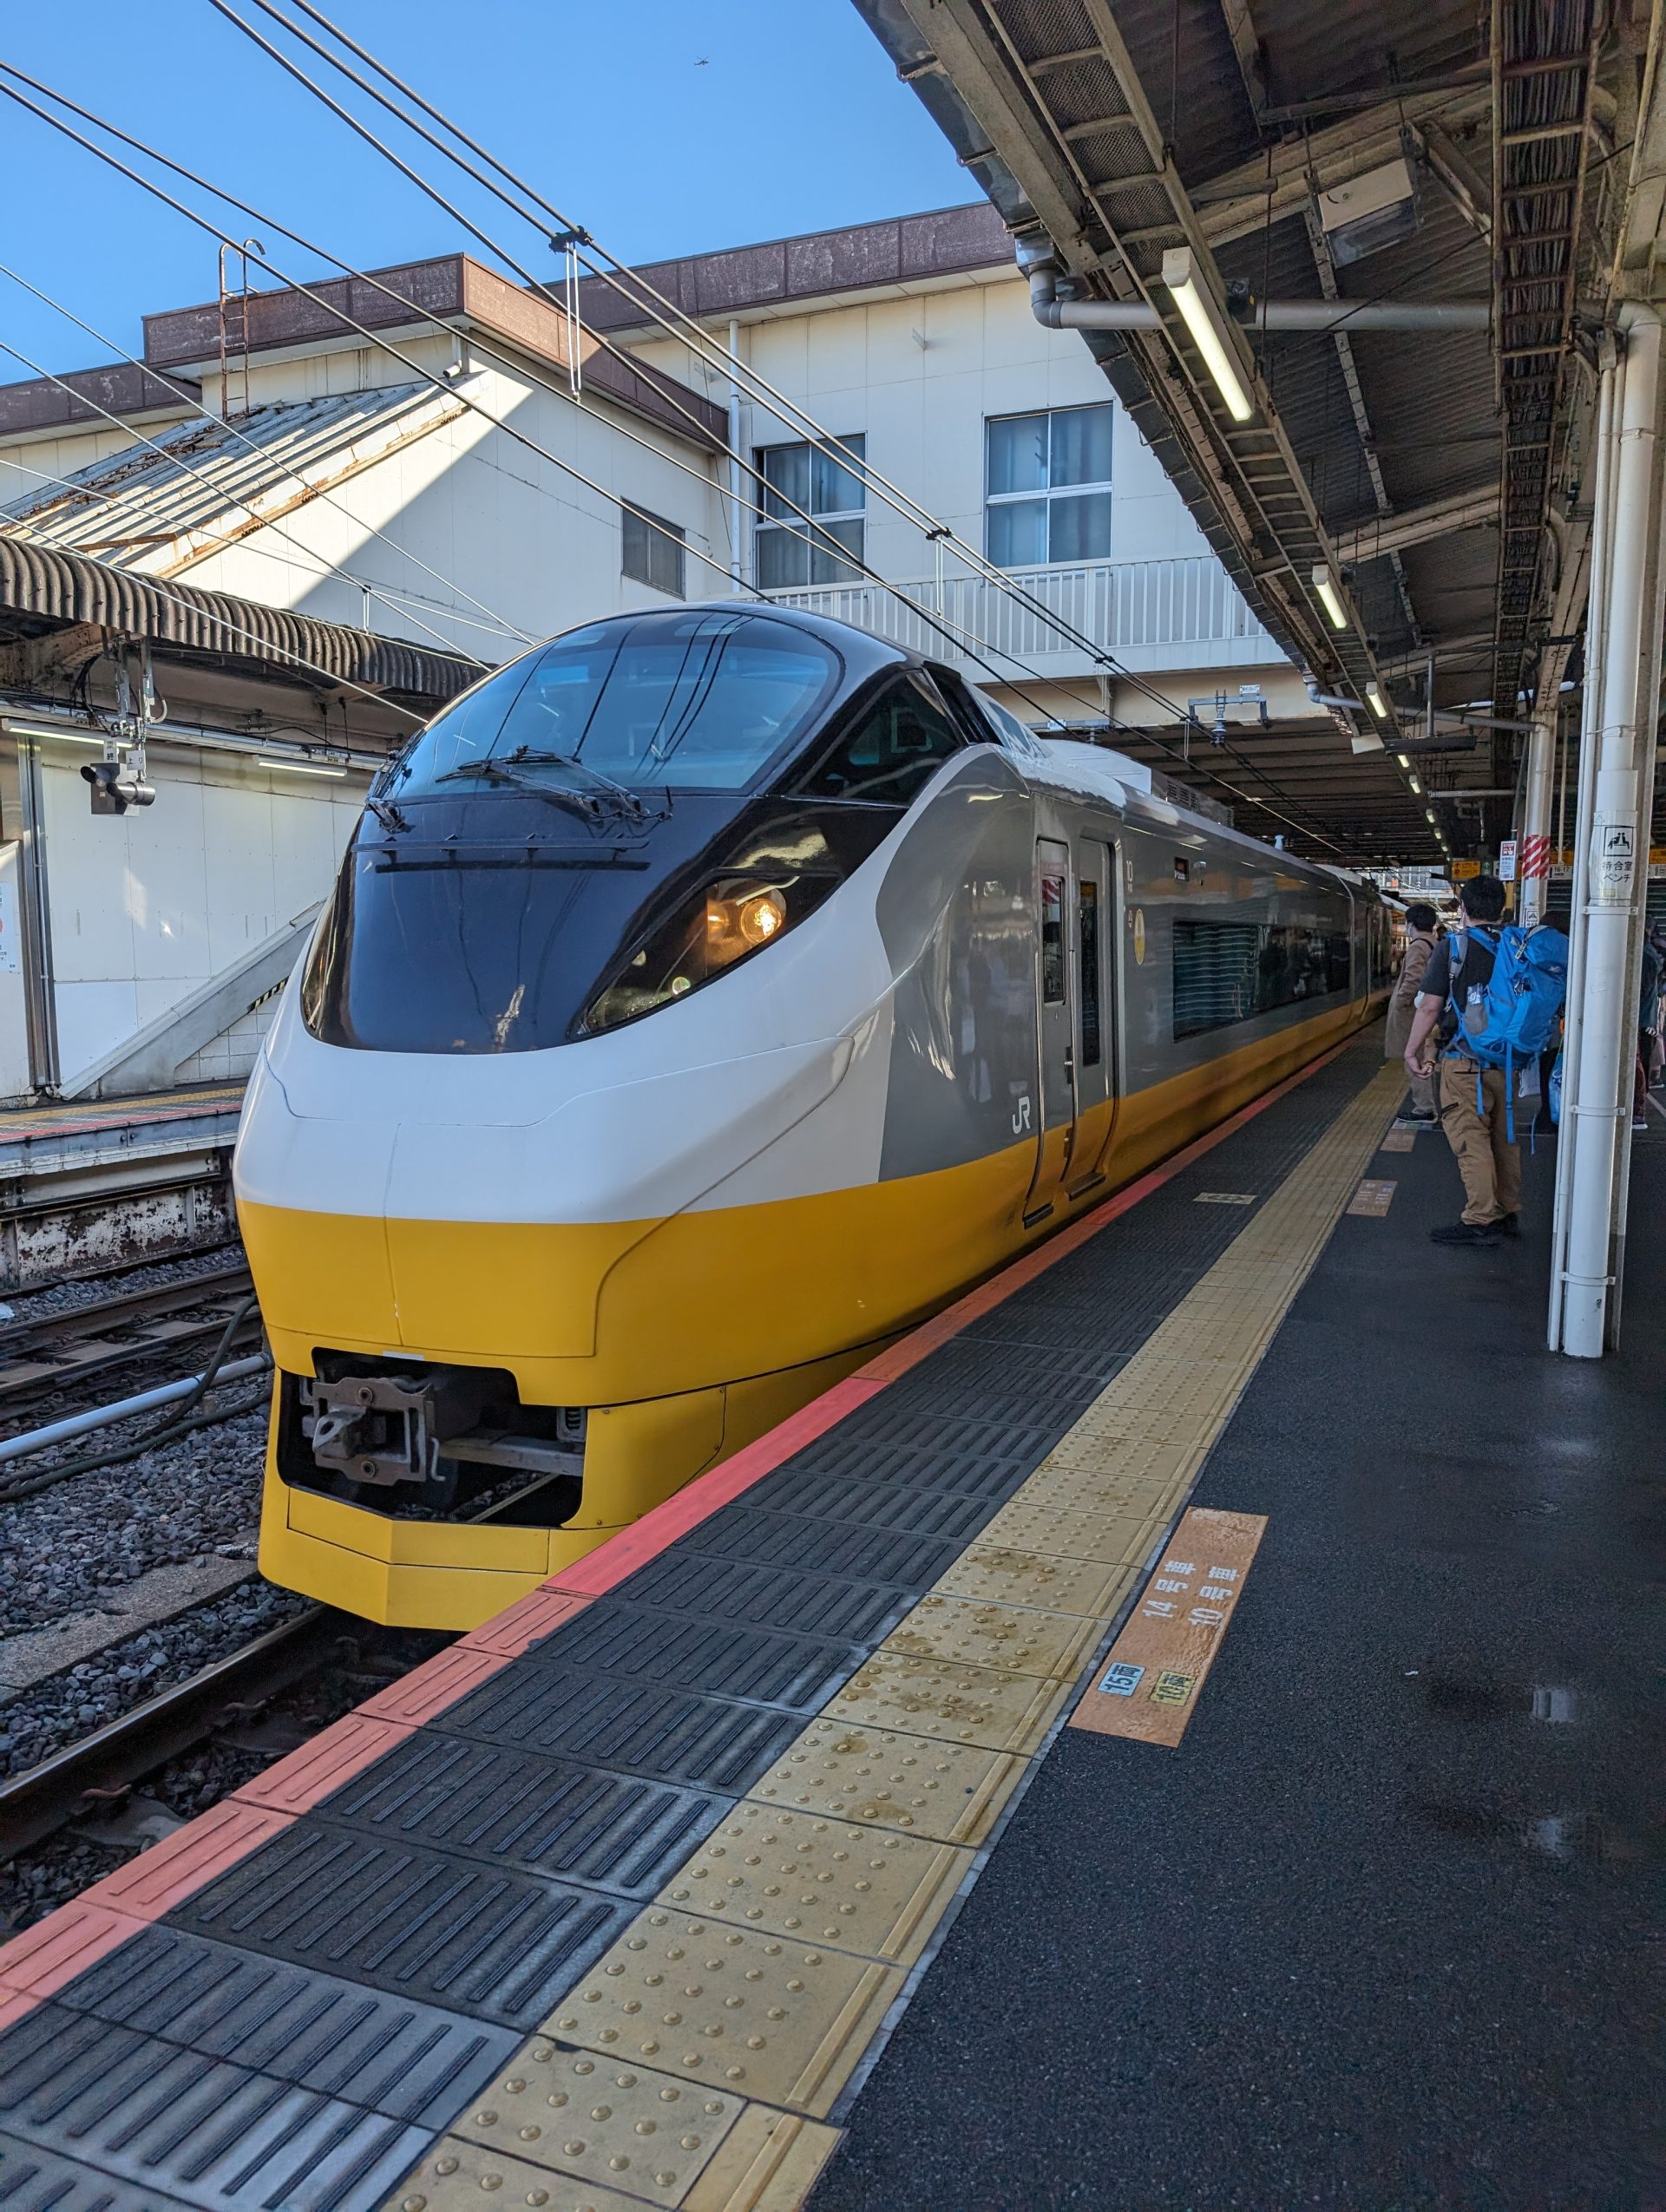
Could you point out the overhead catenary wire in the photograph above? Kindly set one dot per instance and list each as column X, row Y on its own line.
column 933, row 618
column 496, row 621
column 1305, row 828
column 667, row 313
column 386, row 346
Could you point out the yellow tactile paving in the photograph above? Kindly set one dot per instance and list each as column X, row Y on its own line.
column 953, row 1792
column 997, row 1575
column 916, row 1752
column 626, row 2127
column 821, row 1881
column 784, row 2022
column 961, row 1631
column 1104, row 1539
column 768, row 2165
column 959, row 1704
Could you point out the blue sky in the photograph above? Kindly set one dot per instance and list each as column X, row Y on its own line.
column 795, row 122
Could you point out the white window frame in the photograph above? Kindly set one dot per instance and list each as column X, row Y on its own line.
column 1048, row 492
column 793, row 527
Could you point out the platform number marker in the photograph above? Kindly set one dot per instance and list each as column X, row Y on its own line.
column 1158, row 1665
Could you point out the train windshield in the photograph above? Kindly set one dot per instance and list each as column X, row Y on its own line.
column 702, row 700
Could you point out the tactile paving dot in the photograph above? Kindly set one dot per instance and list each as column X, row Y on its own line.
column 951, row 1791
column 1109, row 1538
column 1112, row 1489
column 757, row 2015
column 959, row 1631
column 626, row 2126
column 457, row 2173
column 1000, row 1576
column 823, row 1881
column 963, row 1704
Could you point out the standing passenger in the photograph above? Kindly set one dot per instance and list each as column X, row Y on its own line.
column 1422, row 935
column 1474, row 1101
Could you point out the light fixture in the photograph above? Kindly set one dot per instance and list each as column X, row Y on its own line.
column 1403, row 760
column 1377, row 703
column 1329, row 597
column 1211, row 333
column 64, row 736
column 1428, row 813
column 298, row 768
column 1416, row 785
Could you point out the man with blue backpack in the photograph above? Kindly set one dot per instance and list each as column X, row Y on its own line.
column 1489, row 998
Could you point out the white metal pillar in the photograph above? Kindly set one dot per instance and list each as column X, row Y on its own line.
column 1622, row 659
column 1533, row 829
column 736, row 511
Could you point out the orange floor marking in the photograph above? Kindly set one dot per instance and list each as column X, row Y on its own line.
column 1371, row 1198
column 1150, row 1683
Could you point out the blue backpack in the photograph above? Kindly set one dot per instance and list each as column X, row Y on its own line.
column 1528, row 983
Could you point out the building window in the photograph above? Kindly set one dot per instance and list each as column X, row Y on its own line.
column 790, row 554
column 1049, row 487
column 653, row 552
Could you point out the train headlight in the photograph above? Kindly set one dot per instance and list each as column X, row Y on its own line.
column 702, row 937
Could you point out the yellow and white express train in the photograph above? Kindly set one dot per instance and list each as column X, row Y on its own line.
column 706, row 998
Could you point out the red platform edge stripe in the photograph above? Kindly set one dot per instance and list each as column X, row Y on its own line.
column 612, row 1562
column 46, row 1957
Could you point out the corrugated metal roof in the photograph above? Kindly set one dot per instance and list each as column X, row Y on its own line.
column 53, row 586
column 157, row 512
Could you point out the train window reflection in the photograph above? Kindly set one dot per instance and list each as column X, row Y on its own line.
column 891, row 752
column 697, row 701
column 1225, row 972
column 1090, row 950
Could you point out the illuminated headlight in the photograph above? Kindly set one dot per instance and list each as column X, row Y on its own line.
column 703, row 938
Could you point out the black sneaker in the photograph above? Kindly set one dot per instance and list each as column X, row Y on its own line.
column 1465, row 1233
column 1510, row 1226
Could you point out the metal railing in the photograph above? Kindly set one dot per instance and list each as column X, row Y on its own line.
column 1123, row 606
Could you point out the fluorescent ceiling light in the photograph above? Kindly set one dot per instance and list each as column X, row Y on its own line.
column 1428, row 813
column 1208, row 329
column 1403, row 759
column 1329, row 597
column 1416, row 786
column 298, row 768
column 1377, row 703
column 64, row 736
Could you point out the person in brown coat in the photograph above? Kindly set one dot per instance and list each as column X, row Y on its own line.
column 1422, row 928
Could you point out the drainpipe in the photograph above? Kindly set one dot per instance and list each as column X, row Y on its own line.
column 1630, row 681
column 1610, row 379
column 1266, row 315
column 737, row 562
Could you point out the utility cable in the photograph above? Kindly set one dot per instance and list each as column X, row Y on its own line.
column 494, row 620
column 385, row 345
column 537, row 287
column 1304, row 827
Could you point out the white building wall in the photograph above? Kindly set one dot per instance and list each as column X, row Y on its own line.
column 148, row 906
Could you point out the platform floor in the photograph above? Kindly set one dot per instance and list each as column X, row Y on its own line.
column 96, row 1132
column 757, row 1861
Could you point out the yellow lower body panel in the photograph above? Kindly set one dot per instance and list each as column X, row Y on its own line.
column 648, row 1324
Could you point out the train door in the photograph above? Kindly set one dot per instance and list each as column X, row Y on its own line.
column 1055, row 1026
column 1096, row 937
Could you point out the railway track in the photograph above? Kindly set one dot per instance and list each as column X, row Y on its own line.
column 58, row 1350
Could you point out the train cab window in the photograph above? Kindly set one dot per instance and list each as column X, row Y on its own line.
column 895, row 747
column 1088, row 922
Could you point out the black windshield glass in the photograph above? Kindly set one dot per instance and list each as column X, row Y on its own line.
column 697, row 701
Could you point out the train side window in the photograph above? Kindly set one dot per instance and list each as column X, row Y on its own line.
column 1052, row 939
column 973, row 726
column 894, row 749
column 1088, row 920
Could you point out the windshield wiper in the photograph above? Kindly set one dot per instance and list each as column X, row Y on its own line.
column 628, row 801
column 493, row 771
column 388, row 814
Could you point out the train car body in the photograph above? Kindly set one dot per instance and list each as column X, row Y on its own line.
column 706, row 999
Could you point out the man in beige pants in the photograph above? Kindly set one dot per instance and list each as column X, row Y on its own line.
column 1422, row 935
column 1474, row 1103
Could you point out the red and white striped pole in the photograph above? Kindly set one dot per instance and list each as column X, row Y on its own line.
column 1533, row 831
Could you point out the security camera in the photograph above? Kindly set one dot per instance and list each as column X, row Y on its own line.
column 115, row 787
